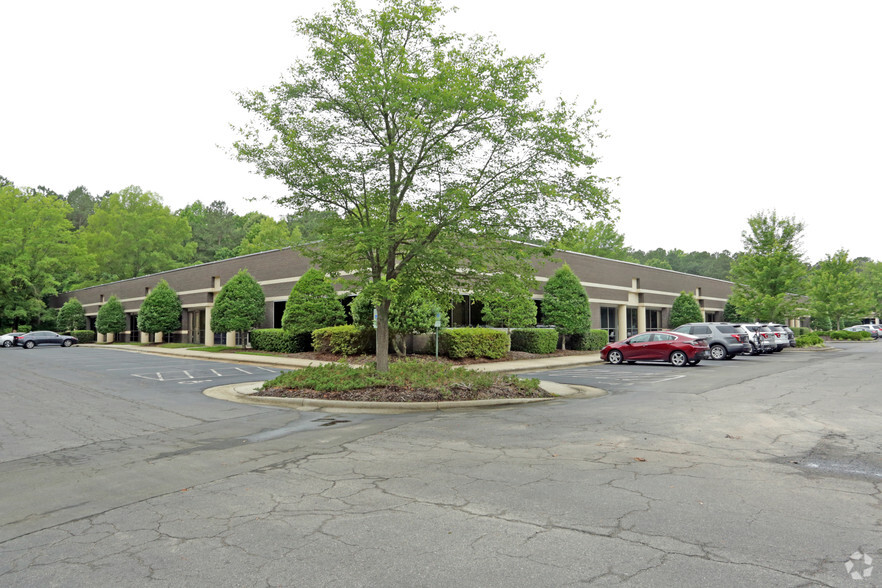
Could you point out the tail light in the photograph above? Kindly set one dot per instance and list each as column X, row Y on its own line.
column 737, row 338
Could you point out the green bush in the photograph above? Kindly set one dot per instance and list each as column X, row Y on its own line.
column 343, row 340
column 489, row 343
column 800, row 331
column 845, row 335
column 809, row 340
column 534, row 340
column 279, row 341
column 84, row 336
column 593, row 340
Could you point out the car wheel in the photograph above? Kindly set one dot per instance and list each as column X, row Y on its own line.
column 66, row 343
column 7, row 344
column 28, row 344
column 615, row 357
column 679, row 359
column 718, row 352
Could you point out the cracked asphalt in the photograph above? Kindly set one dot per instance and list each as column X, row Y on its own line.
column 755, row 472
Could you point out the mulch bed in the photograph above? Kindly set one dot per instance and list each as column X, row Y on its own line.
column 405, row 394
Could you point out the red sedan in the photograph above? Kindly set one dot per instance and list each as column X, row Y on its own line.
column 677, row 348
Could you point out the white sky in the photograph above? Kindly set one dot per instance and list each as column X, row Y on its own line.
column 715, row 110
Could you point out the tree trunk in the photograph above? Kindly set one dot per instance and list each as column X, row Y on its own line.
column 563, row 342
column 383, row 336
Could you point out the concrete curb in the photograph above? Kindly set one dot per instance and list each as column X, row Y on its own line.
column 245, row 394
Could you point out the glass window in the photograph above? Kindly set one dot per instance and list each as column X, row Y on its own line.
column 664, row 337
column 641, row 338
column 701, row 330
column 608, row 321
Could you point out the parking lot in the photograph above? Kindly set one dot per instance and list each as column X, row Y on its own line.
column 752, row 472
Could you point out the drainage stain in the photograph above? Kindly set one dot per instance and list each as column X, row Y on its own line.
column 837, row 455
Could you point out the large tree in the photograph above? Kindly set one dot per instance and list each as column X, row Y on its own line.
column 871, row 277
column 836, row 289
column 40, row 254
column 768, row 274
column 599, row 238
column 217, row 230
column 433, row 150
column 132, row 233
column 268, row 234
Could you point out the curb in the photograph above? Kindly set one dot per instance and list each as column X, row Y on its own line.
column 244, row 393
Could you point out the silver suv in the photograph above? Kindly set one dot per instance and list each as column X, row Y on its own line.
column 724, row 339
column 759, row 339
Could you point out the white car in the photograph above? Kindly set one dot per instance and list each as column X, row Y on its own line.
column 7, row 341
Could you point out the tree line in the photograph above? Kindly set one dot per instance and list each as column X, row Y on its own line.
column 59, row 242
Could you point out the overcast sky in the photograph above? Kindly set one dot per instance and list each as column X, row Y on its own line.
column 715, row 111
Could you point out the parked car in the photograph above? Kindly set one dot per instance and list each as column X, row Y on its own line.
column 791, row 336
column 782, row 340
column 29, row 340
column 679, row 349
column 8, row 340
column 871, row 329
column 724, row 339
column 759, row 339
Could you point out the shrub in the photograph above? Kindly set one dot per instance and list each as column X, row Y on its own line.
column 84, row 336
column 489, row 343
column 685, row 310
column 343, row 340
column 239, row 306
column 111, row 317
column 534, row 340
column 565, row 304
column 160, row 311
column 845, row 335
column 593, row 340
column 313, row 304
column 809, row 340
column 799, row 331
column 278, row 341
column 71, row 316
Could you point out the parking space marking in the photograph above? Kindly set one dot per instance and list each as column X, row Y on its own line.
column 200, row 374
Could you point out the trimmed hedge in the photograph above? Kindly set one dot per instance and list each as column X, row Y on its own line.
column 489, row 343
column 534, row 340
column 279, row 341
column 809, row 340
column 593, row 340
column 84, row 336
column 344, row 340
column 845, row 335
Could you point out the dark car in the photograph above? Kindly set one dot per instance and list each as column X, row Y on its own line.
column 724, row 339
column 677, row 348
column 29, row 340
